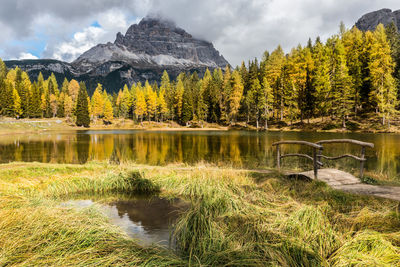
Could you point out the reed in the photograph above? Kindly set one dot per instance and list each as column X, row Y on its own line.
column 236, row 218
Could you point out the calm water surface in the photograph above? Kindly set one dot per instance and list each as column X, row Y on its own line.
column 148, row 219
column 233, row 148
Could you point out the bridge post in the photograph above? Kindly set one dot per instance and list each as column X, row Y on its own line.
column 319, row 156
column 362, row 162
column 315, row 161
column 278, row 157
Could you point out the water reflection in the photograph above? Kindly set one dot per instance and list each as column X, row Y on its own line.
column 150, row 220
column 234, row 148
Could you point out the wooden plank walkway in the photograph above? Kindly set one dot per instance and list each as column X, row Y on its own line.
column 344, row 181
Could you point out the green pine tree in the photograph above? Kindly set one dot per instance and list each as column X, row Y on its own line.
column 82, row 107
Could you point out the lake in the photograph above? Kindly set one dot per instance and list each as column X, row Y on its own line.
column 238, row 149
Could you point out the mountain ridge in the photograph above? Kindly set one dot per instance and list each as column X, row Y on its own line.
column 143, row 53
column 369, row 21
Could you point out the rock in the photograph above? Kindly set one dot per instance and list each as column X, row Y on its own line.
column 368, row 22
column 143, row 53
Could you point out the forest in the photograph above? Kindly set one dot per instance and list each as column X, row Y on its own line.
column 350, row 76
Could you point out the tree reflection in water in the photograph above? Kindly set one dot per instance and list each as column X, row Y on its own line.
column 234, row 148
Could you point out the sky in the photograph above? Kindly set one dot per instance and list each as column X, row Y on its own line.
column 239, row 29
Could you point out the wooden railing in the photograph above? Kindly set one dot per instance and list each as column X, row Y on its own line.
column 361, row 159
column 317, row 152
column 316, row 148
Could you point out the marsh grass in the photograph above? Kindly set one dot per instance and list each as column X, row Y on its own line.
column 236, row 218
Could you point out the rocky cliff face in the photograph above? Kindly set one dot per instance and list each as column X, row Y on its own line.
column 369, row 21
column 143, row 53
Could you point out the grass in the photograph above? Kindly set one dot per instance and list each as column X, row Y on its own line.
column 14, row 126
column 368, row 123
column 236, row 218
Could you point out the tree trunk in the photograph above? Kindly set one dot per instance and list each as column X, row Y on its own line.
column 266, row 124
column 257, row 123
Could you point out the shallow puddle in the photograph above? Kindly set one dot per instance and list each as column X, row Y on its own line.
column 149, row 220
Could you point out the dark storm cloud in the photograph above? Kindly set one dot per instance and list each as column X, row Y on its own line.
column 240, row 29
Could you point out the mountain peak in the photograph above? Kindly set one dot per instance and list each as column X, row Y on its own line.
column 157, row 21
column 147, row 48
column 154, row 26
column 369, row 21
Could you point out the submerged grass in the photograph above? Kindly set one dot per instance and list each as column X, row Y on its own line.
column 236, row 218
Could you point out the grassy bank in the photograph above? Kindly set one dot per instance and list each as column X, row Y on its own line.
column 13, row 126
column 362, row 125
column 236, row 218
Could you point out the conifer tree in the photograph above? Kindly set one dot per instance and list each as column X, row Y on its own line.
column 61, row 99
column 151, row 101
column 97, row 102
column 60, row 105
column 202, row 105
column 118, row 102
column 141, row 107
column 40, row 81
column 17, row 110
column 73, row 90
column 47, row 99
column 3, row 91
column 125, row 102
column 381, row 67
column 273, row 73
column 187, row 106
column 236, row 96
column 53, row 105
column 179, row 98
column 342, row 89
column 353, row 43
column 393, row 37
column 256, row 100
column 290, row 99
column 169, row 92
column 82, row 107
column 36, row 111
column 321, row 79
column 365, row 91
column 68, row 106
column 214, row 96
column 108, row 112
column 269, row 101
column 8, row 99
column 162, row 105
column 54, row 89
column 225, row 95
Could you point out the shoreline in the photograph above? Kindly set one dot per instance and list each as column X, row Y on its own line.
column 27, row 126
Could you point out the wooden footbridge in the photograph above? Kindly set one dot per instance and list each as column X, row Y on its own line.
column 337, row 179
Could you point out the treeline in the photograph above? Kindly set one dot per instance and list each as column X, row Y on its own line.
column 352, row 74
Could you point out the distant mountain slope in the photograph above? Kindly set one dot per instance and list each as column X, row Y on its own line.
column 143, row 53
column 369, row 21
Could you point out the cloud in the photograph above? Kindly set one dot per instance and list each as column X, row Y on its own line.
column 243, row 30
column 81, row 42
column 24, row 55
column 239, row 29
column 103, row 30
